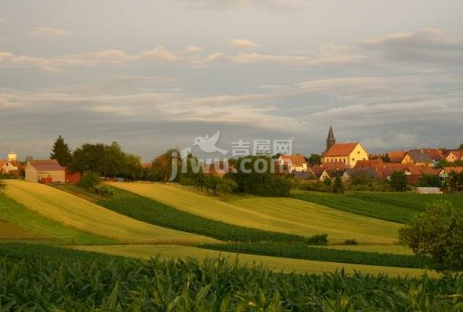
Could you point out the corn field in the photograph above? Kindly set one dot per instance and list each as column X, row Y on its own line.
column 44, row 278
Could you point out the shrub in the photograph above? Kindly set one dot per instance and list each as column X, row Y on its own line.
column 89, row 180
column 351, row 242
column 104, row 190
column 437, row 234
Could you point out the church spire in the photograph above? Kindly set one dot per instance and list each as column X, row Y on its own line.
column 330, row 140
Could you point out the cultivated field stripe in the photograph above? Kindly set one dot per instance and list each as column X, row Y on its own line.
column 284, row 215
column 74, row 212
column 275, row 263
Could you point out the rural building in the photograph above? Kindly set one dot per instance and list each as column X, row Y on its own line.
column 71, row 177
column 396, row 156
column 454, row 155
column 347, row 153
column 418, row 158
column 320, row 173
column 45, row 171
column 11, row 165
column 293, row 163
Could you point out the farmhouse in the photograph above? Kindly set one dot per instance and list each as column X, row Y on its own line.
column 454, row 155
column 295, row 162
column 10, row 166
column 418, row 158
column 45, row 171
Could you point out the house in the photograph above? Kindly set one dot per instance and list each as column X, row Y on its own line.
column 418, row 158
column 11, row 165
column 293, row 163
column 71, row 177
column 370, row 163
column 454, row 155
column 347, row 153
column 45, row 171
column 396, row 156
column 320, row 173
column 334, row 168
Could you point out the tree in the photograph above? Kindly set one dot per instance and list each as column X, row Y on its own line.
column 429, row 180
column 456, row 181
column 161, row 167
column 398, row 181
column 61, row 152
column 438, row 235
column 338, row 186
column 461, row 146
column 314, row 159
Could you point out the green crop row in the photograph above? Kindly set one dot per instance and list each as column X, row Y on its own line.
column 51, row 279
column 300, row 251
column 154, row 212
column 395, row 207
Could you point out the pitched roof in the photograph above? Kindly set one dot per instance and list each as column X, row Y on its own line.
column 318, row 171
column 334, row 166
column 370, row 163
column 46, row 165
column 340, row 149
column 396, row 156
column 453, row 169
column 433, row 153
column 419, row 156
column 296, row 159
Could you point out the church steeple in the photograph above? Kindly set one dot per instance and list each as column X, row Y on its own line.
column 330, row 140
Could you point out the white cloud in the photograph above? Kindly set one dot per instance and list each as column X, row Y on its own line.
column 243, row 43
column 114, row 57
column 193, row 49
column 41, row 31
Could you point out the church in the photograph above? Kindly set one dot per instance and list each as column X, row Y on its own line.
column 346, row 153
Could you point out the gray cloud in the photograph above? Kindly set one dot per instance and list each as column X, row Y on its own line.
column 427, row 45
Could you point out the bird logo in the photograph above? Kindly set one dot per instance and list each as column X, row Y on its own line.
column 208, row 144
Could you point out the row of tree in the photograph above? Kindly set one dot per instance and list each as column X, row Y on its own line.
column 105, row 160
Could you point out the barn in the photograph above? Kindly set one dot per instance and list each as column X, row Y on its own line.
column 45, row 171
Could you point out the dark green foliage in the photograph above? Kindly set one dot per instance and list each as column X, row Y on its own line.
column 154, row 212
column 314, row 159
column 438, row 234
column 89, row 180
column 252, row 179
column 303, row 251
column 391, row 206
column 398, row 181
column 55, row 279
column 338, row 186
column 61, row 152
column 428, row 180
column 103, row 190
column 455, row 183
column 107, row 161
column 350, row 242
column 161, row 167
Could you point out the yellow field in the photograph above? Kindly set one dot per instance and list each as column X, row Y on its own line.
column 274, row 263
column 272, row 214
column 391, row 249
column 77, row 213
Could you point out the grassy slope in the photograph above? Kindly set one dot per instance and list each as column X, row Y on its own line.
column 16, row 214
column 275, row 263
column 271, row 214
column 74, row 212
column 396, row 207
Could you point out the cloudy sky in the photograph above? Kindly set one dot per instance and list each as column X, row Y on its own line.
column 156, row 74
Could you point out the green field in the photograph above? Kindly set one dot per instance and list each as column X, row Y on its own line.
column 396, row 207
column 74, row 212
column 284, row 215
column 274, row 263
column 42, row 278
column 38, row 227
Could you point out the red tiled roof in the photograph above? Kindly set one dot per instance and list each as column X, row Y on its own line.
column 1, row 163
column 454, row 169
column 340, row 149
column 317, row 171
column 46, row 165
column 396, row 156
column 296, row 159
column 371, row 163
column 434, row 154
column 339, row 166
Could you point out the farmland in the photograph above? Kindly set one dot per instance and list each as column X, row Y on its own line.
column 395, row 207
column 76, row 213
column 283, row 215
column 47, row 278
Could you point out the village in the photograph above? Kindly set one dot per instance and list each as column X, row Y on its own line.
column 425, row 170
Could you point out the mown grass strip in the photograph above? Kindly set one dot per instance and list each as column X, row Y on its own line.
column 300, row 251
column 151, row 211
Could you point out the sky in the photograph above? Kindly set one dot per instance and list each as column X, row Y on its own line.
column 153, row 75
